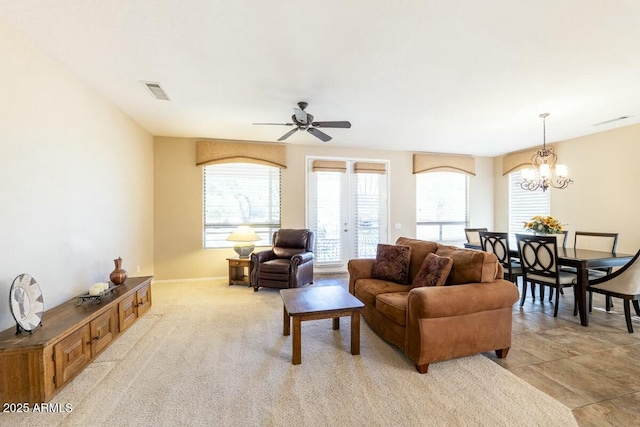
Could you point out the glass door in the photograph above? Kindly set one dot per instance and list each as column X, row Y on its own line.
column 347, row 210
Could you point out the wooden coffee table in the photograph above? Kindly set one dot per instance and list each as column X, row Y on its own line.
column 322, row 302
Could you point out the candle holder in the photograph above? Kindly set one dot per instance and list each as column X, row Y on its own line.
column 97, row 298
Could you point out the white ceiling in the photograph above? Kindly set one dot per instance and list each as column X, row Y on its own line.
column 454, row 76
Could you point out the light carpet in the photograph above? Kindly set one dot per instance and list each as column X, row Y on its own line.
column 209, row 354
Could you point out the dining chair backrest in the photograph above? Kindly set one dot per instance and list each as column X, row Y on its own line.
column 497, row 244
column 538, row 255
column 473, row 234
column 605, row 242
column 563, row 236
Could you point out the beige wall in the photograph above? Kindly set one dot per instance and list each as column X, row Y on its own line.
column 178, row 202
column 76, row 179
column 602, row 197
column 481, row 194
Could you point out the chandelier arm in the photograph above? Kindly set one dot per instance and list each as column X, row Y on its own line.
column 530, row 185
column 560, row 183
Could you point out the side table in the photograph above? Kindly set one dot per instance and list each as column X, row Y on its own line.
column 236, row 271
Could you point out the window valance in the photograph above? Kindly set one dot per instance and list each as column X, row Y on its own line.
column 370, row 167
column 229, row 151
column 515, row 161
column 329, row 166
column 443, row 162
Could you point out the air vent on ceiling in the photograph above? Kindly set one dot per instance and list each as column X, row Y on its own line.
column 156, row 91
column 611, row 121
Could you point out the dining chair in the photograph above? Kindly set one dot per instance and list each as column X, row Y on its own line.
column 625, row 284
column 539, row 260
column 472, row 234
column 605, row 242
column 564, row 238
column 498, row 244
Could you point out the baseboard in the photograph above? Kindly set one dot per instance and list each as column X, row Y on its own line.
column 193, row 279
column 196, row 279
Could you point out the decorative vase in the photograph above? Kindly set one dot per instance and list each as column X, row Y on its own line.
column 119, row 275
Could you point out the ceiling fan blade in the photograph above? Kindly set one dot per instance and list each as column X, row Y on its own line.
column 319, row 134
column 288, row 134
column 278, row 124
column 345, row 125
column 301, row 115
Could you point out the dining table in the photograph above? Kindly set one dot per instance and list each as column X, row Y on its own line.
column 582, row 260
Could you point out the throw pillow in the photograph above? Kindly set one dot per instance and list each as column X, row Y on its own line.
column 392, row 263
column 434, row 271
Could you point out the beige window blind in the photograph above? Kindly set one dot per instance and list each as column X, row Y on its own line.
column 370, row 167
column 329, row 166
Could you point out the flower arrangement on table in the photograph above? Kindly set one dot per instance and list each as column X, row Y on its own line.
column 543, row 225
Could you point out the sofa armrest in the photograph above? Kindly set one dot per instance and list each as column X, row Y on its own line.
column 302, row 258
column 256, row 259
column 262, row 256
column 457, row 300
column 444, row 322
column 359, row 269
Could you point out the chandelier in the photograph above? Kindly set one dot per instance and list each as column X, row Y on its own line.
column 544, row 172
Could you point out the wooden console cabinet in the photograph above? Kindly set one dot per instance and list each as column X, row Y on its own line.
column 34, row 367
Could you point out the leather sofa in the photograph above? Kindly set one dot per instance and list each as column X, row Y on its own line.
column 288, row 264
column 470, row 314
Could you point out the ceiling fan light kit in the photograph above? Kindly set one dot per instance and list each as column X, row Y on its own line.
column 303, row 121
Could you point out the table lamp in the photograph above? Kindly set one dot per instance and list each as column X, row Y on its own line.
column 244, row 235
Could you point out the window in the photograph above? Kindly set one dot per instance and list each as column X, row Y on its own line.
column 441, row 204
column 240, row 194
column 524, row 204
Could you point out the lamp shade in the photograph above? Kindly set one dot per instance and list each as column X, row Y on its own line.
column 562, row 171
column 244, row 235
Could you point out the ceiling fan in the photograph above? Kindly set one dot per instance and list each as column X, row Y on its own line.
column 304, row 121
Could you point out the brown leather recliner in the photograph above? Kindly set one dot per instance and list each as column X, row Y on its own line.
column 289, row 264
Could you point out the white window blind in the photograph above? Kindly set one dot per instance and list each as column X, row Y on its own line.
column 240, row 194
column 442, row 207
column 326, row 215
column 370, row 209
column 525, row 204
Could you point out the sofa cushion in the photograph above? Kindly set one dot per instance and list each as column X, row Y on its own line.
column 470, row 266
column 275, row 269
column 394, row 306
column 419, row 251
column 434, row 271
column 366, row 290
column 392, row 263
